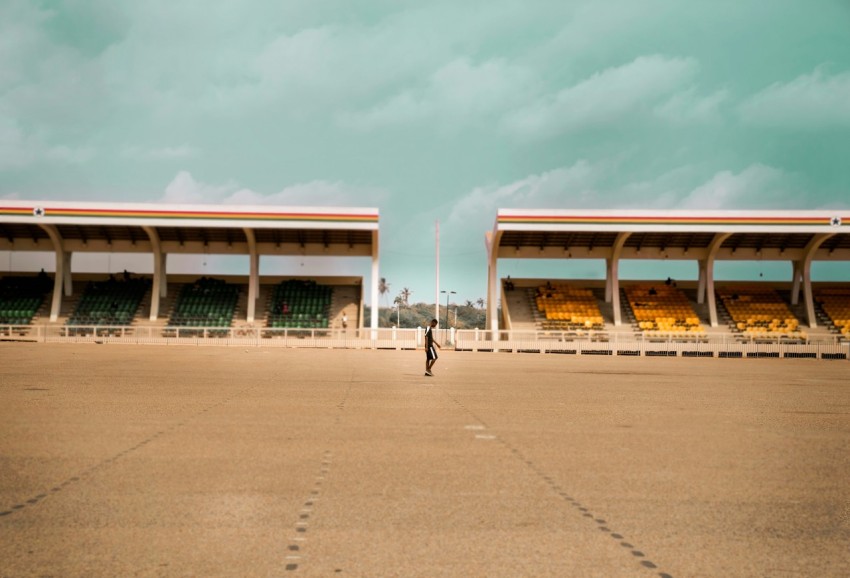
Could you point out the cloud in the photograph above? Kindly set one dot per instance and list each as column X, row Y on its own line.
column 459, row 91
column 605, row 98
column 688, row 107
column 185, row 189
column 757, row 187
column 587, row 185
column 313, row 193
column 574, row 187
column 811, row 101
column 20, row 149
column 163, row 153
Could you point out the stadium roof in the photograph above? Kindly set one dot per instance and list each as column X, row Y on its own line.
column 747, row 235
column 216, row 229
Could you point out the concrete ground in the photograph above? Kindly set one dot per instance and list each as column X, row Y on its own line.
column 204, row 461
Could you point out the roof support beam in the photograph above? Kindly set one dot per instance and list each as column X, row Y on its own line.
column 63, row 270
column 254, row 276
column 803, row 272
column 491, row 241
column 159, row 288
column 375, row 282
column 706, row 277
column 612, row 281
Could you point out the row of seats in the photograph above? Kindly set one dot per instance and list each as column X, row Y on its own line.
column 757, row 310
column 297, row 303
column 111, row 302
column 207, row 302
column 21, row 298
column 835, row 303
column 662, row 308
column 566, row 307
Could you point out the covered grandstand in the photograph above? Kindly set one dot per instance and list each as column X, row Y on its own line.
column 161, row 230
column 705, row 237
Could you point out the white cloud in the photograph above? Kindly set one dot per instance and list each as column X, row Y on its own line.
column 313, row 193
column 689, row 107
column 574, row 187
column 184, row 188
column 20, row 149
column 756, row 187
column 604, row 98
column 810, row 101
column 162, row 153
column 586, row 185
column 459, row 91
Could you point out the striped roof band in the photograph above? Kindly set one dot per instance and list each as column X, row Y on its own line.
column 203, row 215
column 637, row 220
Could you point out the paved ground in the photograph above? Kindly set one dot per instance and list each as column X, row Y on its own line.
column 192, row 461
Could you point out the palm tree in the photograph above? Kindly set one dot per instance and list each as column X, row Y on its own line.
column 480, row 302
column 383, row 287
column 405, row 296
column 398, row 302
column 469, row 303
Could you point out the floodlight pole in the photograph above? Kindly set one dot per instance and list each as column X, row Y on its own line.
column 437, row 285
column 447, row 309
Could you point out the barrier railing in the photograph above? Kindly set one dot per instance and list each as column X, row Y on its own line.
column 563, row 342
column 652, row 345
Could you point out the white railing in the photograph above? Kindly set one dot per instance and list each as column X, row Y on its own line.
column 558, row 342
column 242, row 336
column 661, row 345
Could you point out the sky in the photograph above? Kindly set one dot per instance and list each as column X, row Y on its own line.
column 439, row 110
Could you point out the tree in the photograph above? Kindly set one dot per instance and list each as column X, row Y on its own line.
column 481, row 302
column 405, row 296
column 468, row 303
column 383, row 287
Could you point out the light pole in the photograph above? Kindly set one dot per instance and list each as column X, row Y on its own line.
column 447, row 310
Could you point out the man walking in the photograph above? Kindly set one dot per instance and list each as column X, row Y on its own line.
column 430, row 348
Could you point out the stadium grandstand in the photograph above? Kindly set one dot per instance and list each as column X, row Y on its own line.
column 522, row 314
column 798, row 310
column 170, row 301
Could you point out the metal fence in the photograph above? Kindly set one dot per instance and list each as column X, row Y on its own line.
column 564, row 343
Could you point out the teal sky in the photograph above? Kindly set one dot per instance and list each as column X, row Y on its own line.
column 429, row 110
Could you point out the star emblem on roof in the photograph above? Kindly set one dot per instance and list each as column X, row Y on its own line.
column 836, row 222
column 38, row 212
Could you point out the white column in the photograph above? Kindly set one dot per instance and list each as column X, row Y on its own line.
column 492, row 314
column 254, row 275
column 159, row 288
column 63, row 261
column 158, row 266
column 612, row 277
column 68, row 282
column 797, row 276
column 713, row 249
column 58, row 282
column 806, row 270
column 709, row 289
column 807, row 293
column 163, row 287
column 375, row 281
column 614, row 273
column 701, row 265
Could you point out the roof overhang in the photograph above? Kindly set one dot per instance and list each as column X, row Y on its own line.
column 215, row 229
column 687, row 235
